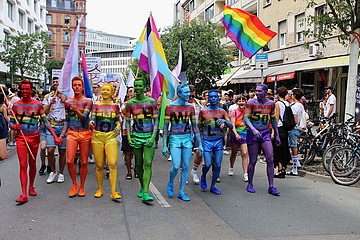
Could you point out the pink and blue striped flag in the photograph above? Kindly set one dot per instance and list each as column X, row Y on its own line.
column 70, row 68
column 87, row 85
column 150, row 52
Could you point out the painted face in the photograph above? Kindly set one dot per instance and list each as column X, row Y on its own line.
column 77, row 86
column 184, row 94
column 106, row 91
column 213, row 98
column 139, row 87
column 25, row 90
column 260, row 92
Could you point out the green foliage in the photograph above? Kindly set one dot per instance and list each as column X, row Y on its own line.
column 343, row 15
column 53, row 64
column 205, row 57
column 25, row 53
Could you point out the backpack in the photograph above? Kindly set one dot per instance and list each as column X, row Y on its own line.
column 288, row 120
column 304, row 117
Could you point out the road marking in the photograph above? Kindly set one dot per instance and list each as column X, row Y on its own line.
column 161, row 200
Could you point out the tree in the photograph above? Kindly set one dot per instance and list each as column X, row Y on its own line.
column 25, row 53
column 205, row 57
column 343, row 15
column 53, row 64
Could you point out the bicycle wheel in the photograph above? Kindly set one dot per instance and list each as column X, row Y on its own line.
column 344, row 167
column 303, row 148
column 329, row 152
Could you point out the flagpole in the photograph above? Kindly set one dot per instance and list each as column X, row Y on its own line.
column 137, row 72
column 234, row 73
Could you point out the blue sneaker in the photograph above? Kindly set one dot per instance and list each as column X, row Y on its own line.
column 215, row 191
column 183, row 196
column 250, row 188
column 273, row 191
column 203, row 184
column 170, row 189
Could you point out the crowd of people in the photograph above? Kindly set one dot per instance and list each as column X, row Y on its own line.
column 89, row 130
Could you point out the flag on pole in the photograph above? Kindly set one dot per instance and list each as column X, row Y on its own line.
column 87, row 85
column 246, row 30
column 70, row 68
column 180, row 69
column 130, row 79
column 150, row 52
column 122, row 90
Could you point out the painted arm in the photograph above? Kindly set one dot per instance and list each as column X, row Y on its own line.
column 117, row 128
column 165, row 151
column 127, row 125
column 155, row 118
column 14, row 124
column 247, row 120
column 92, row 122
column 196, row 131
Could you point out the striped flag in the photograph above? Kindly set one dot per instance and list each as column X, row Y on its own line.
column 180, row 69
column 131, row 79
column 150, row 52
column 122, row 90
column 87, row 85
column 70, row 68
column 246, row 30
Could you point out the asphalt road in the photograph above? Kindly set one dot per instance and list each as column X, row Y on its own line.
column 310, row 207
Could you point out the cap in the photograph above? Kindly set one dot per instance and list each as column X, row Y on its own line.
column 270, row 91
column 330, row 87
column 11, row 95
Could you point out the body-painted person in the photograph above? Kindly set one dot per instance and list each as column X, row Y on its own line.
column 212, row 120
column 141, row 135
column 77, row 132
column 105, row 121
column 257, row 114
column 181, row 116
column 28, row 112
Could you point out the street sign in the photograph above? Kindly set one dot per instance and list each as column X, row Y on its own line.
column 261, row 61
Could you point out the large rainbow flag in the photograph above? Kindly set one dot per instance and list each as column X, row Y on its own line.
column 246, row 30
column 150, row 52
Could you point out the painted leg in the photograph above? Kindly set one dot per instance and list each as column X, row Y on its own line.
column 32, row 171
column 269, row 154
column 111, row 151
column 23, row 156
column 84, row 153
column 139, row 163
column 148, row 158
column 205, row 169
column 253, row 152
column 176, row 159
column 98, row 151
column 217, row 168
column 71, row 148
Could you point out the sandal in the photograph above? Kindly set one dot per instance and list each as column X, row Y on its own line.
column 128, row 176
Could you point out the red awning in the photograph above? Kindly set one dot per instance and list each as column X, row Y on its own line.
column 281, row 77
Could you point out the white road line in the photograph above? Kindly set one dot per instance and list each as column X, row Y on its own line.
column 161, row 200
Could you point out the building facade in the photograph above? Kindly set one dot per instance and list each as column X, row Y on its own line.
column 62, row 19
column 98, row 41
column 25, row 16
column 114, row 61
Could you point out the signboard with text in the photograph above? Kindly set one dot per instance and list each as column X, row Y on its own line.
column 261, row 61
column 94, row 68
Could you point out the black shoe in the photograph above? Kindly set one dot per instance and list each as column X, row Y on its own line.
column 48, row 169
column 42, row 169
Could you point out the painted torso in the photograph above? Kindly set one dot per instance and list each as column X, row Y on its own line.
column 84, row 106
column 259, row 114
column 105, row 116
column 207, row 123
column 180, row 118
column 142, row 113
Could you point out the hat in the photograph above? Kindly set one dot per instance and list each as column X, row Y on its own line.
column 11, row 95
column 330, row 87
column 269, row 92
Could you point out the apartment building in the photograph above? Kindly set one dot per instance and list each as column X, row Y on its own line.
column 114, row 61
column 62, row 19
column 25, row 16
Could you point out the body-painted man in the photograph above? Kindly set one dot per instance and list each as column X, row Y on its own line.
column 141, row 135
column 181, row 116
column 257, row 114
column 28, row 112
column 105, row 121
column 212, row 120
column 77, row 132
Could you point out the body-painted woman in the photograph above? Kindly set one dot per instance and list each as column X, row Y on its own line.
column 257, row 114
column 181, row 116
column 141, row 135
column 105, row 121
column 28, row 112
column 78, row 134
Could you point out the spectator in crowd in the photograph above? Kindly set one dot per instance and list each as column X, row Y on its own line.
column 330, row 106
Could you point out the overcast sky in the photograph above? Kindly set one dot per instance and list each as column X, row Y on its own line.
column 127, row 18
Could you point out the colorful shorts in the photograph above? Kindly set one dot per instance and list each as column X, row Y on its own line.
column 79, row 136
column 265, row 137
column 104, row 138
column 141, row 139
column 210, row 146
column 233, row 139
column 180, row 141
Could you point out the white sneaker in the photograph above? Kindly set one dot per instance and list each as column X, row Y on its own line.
column 218, row 180
column 169, row 159
column 262, row 159
column 60, row 178
column 51, row 177
column 195, row 176
column 246, row 177
column 231, row 172
column 226, row 152
column 91, row 160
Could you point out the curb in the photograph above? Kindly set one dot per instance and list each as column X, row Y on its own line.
column 321, row 178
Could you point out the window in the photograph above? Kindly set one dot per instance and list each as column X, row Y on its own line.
column 299, row 28
column 67, row 20
column 48, row 18
column 231, row 2
column 30, row 28
column 66, row 37
column 282, row 34
column 67, row 4
column 49, row 34
column 6, row 35
column 81, row 37
column 65, row 51
column 267, row 2
column 49, row 52
column 209, row 12
column 10, row 10
column 41, row 13
column 177, row 9
column 37, row 29
column 320, row 11
column 35, row 5
column 21, row 19
column 53, row 3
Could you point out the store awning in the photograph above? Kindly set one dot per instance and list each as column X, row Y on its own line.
column 287, row 72
column 327, row 63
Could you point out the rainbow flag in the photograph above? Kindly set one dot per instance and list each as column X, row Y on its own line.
column 70, row 68
column 87, row 85
column 150, row 52
column 246, row 30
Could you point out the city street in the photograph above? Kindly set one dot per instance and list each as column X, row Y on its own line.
column 310, row 207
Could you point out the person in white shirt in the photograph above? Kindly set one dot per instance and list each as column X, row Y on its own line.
column 330, row 106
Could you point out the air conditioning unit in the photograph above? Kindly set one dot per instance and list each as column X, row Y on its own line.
column 314, row 50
